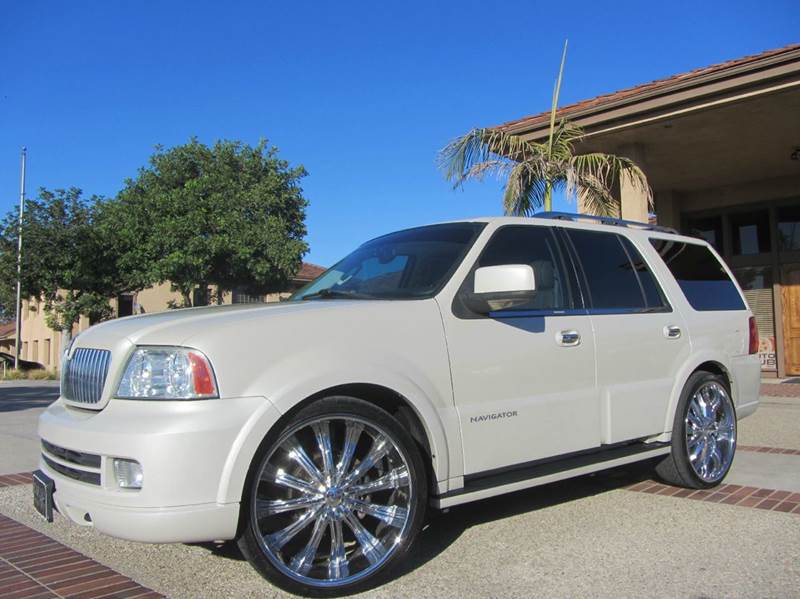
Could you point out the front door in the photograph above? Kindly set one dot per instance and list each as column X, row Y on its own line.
column 790, row 296
column 524, row 380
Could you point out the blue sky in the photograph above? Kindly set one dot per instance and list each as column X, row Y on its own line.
column 362, row 94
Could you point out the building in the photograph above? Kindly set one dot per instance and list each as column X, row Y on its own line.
column 42, row 344
column 721, row 148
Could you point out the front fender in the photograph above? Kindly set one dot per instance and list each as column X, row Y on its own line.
column 288, row 382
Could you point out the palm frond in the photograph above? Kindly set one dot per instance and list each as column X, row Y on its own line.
column 525, row 190
column 458, row 158
column 598, row 169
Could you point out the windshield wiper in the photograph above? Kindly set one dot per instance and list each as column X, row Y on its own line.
column 335, row 294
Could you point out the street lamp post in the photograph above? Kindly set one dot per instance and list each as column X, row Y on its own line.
column 19, row 260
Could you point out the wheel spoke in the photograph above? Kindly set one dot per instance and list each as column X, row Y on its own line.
column 299, row 455
column 371, row 547
column 280, row 477
column 390, row 514
column 277, row 540
column 266, row 508
column 352, row 435
column 302, row 562
column 338, row 566
column 380, row 448
column 697, row 454
column 391, row 480
column 693, row 419
column 322, row 432
column 725, row 432
column 715, row 460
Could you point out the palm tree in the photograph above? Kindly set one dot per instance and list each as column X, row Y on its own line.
column 534, row 170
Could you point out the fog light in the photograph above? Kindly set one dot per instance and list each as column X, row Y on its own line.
column 128, row 473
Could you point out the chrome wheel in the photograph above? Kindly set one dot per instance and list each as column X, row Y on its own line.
column 710, row 431
column 333, row 501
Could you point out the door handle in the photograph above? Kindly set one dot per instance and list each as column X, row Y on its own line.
column 568, row 338
column 672, row 332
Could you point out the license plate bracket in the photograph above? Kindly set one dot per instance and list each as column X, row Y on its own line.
column 43, row 487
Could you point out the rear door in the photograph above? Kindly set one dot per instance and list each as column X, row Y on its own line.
column 641, row 341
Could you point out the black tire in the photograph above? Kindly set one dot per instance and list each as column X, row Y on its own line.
column 676, row 468
column 342, row 412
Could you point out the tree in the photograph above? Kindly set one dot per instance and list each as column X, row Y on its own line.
column 533, row 170
column 229, row 215
column 65, row 261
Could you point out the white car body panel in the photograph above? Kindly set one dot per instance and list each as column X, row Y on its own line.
column 621, row 382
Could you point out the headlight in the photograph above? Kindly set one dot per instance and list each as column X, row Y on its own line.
column 167, row 373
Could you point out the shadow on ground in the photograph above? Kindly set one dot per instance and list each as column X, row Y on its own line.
column 442, row 529
column 15, row 398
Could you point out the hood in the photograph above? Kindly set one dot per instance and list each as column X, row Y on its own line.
column 176, row 327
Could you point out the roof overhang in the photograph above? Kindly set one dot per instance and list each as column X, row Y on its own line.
column 729, row 123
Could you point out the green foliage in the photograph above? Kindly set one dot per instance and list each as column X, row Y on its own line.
column 12, row 374
column 533, row 170
column 65, row 262
column 230, row 215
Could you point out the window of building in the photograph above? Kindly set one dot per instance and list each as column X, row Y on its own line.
column 708, row 228
column 537, row 247
column 750, row 233
column 124, row 305
column 701, row 277
column 46, row 355
column 35, row 356
column 789, row 228
column 201, row 296
column 24, row 350
column 612, row 279
column 240, row 296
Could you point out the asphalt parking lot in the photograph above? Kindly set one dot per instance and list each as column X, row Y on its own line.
column 589, row 537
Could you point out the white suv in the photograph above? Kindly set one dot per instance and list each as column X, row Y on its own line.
column 436, row 365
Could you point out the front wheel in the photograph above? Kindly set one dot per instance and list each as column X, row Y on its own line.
column 703, row 434
column 336, row 498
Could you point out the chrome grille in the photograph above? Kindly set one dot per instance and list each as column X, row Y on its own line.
column 85, row 374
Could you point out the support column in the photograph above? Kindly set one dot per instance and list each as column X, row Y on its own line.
column 632, row 198
column 668, row 208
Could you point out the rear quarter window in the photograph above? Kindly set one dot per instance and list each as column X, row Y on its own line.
column 700, row 275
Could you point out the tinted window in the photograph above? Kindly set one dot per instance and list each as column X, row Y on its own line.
column 652, row 290
column 535, row 246
column 610, row 275
column 700, row 275
column 408, row 264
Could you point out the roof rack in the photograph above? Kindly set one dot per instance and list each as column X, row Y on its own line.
column 605, row 220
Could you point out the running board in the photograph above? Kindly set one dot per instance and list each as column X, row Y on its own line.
column 541, row 472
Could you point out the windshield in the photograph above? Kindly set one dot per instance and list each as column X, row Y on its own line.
column 409, row 264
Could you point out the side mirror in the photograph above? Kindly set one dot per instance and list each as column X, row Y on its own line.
column 501, row 287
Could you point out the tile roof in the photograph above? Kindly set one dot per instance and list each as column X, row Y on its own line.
column 632, row 92
column 8, row 330
column 309, row 272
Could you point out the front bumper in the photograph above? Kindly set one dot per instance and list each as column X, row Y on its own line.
column 191, row 454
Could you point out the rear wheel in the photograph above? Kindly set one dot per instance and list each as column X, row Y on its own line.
column 703, row 434
column 336, row 498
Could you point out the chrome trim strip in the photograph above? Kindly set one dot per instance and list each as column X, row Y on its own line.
column 85, row 375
